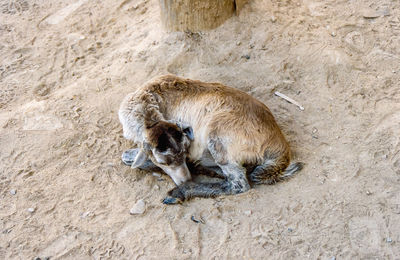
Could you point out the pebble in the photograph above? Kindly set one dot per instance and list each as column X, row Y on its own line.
column 247, row 56
column 238, row 43
column 139, row 208
column 156, row 174
column 370, row 14
column 290, row 229
column 13, row 192
column 87, row 214
column 273, row 19
column 197, row 220
column 333, row 258
column 369, row 193
column 333, row 34
column 31, row 210
column 110, row 164
column 389, row 240
column 247, row 213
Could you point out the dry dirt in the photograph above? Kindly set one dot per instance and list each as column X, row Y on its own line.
column 66, row 65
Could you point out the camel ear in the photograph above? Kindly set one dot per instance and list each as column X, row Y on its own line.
column 188, row 131
column 141, row 157
column 185, row 128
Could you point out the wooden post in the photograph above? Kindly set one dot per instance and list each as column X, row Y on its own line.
column 197, row 15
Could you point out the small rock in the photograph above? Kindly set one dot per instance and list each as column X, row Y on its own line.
column 156, row 187
column 290, row 229
column 273, row 19
column 197, row 220
column 13, row 192
column 247, row 56
column 87, row 214
column 31, row 210
column 368, row 193
column 370, row 14
column 7, row 231
column 139, row 208
column 333, row 34
column 238, row 43
column 314, row 130
column 247, row 213
column 389, row 240
column 110, row 164
column 156, row 174
column 333, row 258
column 251, row 46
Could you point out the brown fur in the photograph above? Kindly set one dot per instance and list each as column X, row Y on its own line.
column 234, row 128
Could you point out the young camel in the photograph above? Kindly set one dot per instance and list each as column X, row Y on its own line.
column 215, row 127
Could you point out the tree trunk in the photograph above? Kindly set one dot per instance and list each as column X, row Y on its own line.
column 196, row 15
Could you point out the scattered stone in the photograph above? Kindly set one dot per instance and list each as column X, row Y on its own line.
column 87, row 214
column 13, row 192
column 7, row 231
column 251, row 46
column 314, row 130
column 110, row 164
column 247, row 213
column 370, row 14
column 368, row 193
column 273, row 19
column 290, row 229
column 139, row 208
column 247, row 56
column 333, row 258
column 389, row 240
column 333, row 34
column 238, row 43
column 156, row 174
column 156, row 187
column 195, row 220
column 31, row 210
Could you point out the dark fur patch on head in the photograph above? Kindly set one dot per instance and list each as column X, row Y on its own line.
column 163, row 135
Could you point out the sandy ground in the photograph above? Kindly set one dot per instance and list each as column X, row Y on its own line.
column 66, row 65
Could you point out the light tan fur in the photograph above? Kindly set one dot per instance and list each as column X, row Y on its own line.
column 230, row 125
